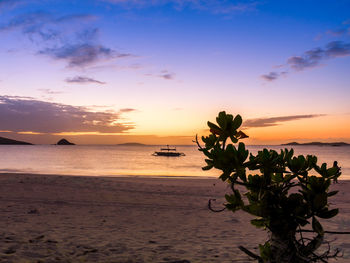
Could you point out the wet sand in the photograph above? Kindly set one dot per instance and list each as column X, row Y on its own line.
column 47, row 218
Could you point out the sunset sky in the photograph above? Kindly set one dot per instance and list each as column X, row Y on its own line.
column 115, row 71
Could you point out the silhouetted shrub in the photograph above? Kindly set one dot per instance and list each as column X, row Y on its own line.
column 280, row 190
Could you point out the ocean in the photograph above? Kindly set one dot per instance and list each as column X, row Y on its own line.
column 117, row 160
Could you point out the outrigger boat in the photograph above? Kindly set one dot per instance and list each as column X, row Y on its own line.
column 170, row 152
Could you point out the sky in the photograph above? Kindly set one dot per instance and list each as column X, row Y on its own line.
column 154, row 72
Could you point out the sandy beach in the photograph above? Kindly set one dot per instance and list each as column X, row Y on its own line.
column 47, row 218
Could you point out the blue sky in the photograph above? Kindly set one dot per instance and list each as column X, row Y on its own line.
column 112, row 71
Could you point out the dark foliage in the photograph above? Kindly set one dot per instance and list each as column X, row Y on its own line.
column 283, row 192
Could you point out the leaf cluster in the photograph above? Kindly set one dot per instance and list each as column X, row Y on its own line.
column 283, row 191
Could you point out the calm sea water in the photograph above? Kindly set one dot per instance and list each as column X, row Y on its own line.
column 113, row 160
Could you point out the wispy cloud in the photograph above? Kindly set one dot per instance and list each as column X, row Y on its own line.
column 274, row 121
column 213, row 6
column 164, row 74
column 313, row 58
column 44, row 26
column 18, row 114
column 83, row 80
column 50, row 92
column 340, row 32
column 127, row 110
column 337, row 32
column 82, row 55
column 167, row 75
column 10, row 3
column 273, row 75
column 68, row 38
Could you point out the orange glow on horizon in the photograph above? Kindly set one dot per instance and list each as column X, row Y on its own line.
column 30, row 132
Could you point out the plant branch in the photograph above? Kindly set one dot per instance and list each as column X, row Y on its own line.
column 212, row 209
column 251, row 254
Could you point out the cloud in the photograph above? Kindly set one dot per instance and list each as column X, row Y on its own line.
column 273, row 75
column 336, row 32
column 274, row 121
column 50, row 92
column 67, row 38
column 127, row 110
column 164, row 74
column 42, row 19
column 83, row 80
column 44, row 26
column 75, row 17
column 313, row 58
column 167, row 75
column 19, row 114
column 337, row 49
column 82, row 55
column 309, row 59
column 26, row 21
column 212, row 6
column 10, row 3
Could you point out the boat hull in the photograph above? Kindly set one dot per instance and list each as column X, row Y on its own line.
column 168, row 154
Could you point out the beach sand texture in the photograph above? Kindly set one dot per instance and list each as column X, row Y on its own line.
column 99, row 219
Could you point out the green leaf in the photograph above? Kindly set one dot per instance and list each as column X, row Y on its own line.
column 208, row 167
column 265, row 251
column 214, row 128
column 234, row 201
column 258, row 222
column 221, row 120
column 319, row 201
column 332, row 193
column 233, row 139
column 278, row 177
column 224, row 176
column 328, row 214
column 316, row 226
column 332, row 171
column 237, row 122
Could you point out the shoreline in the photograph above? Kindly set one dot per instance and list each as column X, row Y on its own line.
column 115, row 176
column 130, row 176
column 58, row 218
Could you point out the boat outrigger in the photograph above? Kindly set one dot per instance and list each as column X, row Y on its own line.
column 170, row 152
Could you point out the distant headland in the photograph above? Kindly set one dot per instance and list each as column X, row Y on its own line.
column 64, row 142
column 319, row 144
column 7, row 141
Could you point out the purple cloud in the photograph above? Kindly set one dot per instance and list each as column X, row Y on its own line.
column 167, row 75
column 313, row 58
column 216, row 7
column 337, row 32
column 81, row 55
column 10, row 3
column 83, row 80
column 274, row 121
column 270, row 76
column 18, row 114
column 337, row 49
column 78, row 46
column 43, row 25
column 50, row 92
column 127, row 110
column 310, row 58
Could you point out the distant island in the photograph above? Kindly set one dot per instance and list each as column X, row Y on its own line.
column 319, row 143
column 7, row 141
column 64, row 142
column 131, row 144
